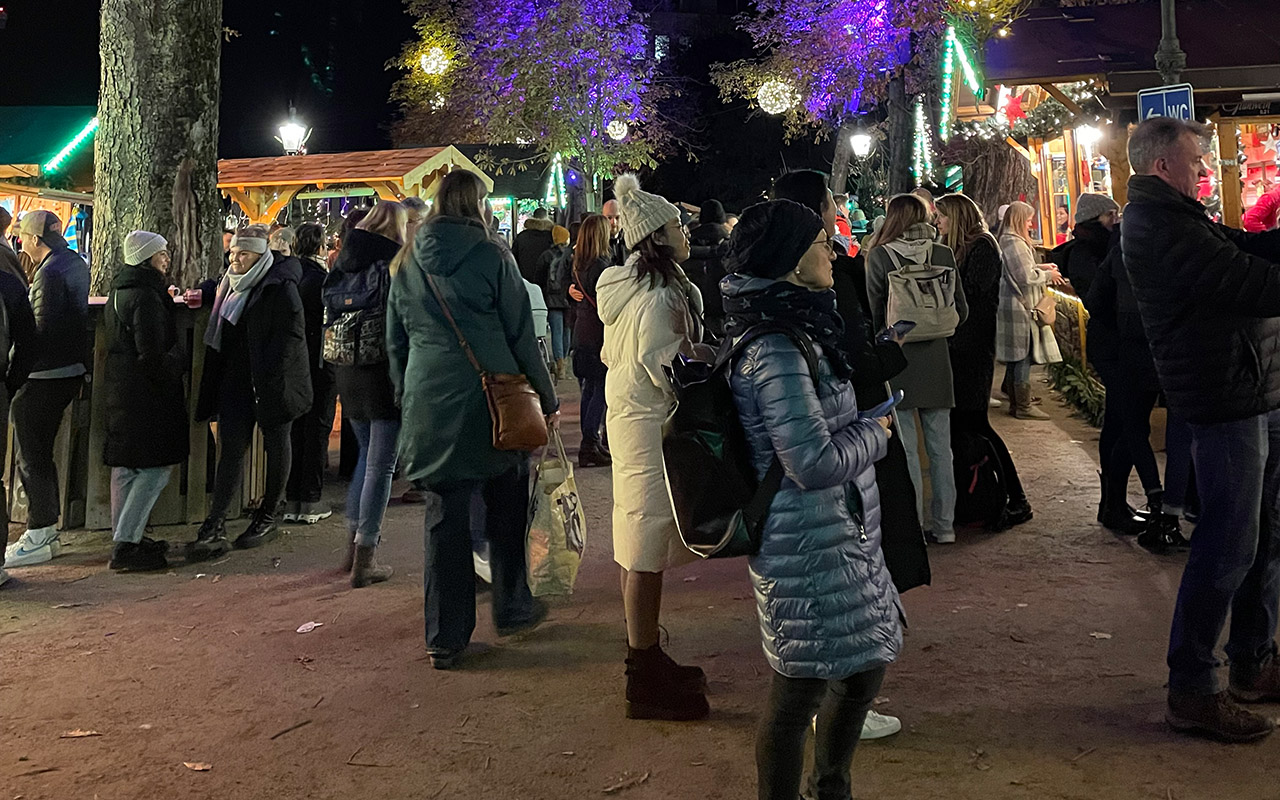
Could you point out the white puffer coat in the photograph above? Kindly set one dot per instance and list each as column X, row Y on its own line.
column 644, row 328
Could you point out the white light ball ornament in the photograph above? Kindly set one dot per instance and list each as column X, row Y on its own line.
column 435, row 61
column 776, row 97
column 617, row 130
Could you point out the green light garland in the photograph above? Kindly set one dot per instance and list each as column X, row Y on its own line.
column 953, row 50
column 57, row 161
column 556, row 196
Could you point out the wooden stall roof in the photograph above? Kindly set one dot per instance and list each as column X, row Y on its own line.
column 405, row 167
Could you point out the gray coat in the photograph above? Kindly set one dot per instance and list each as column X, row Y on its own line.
column 827, row 606
column 926, row 382
column 1021, row 287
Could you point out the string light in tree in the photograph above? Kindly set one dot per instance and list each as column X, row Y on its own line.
column 922, row 146
column 617, row 130
column 435, row 61
column 556, row 196
column 953, row 51
column 58, row 160
column 776, row 97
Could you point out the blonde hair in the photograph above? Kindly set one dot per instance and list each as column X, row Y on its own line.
column 903, row 211
column 1016, row 217
column 389, row 219
column 966, row 222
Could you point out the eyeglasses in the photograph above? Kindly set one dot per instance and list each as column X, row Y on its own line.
column 827, row 243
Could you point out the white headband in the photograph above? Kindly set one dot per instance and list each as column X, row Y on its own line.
column 251, row 243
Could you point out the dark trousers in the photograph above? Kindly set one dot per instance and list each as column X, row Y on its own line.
column 1179, row 475
column 449, row 582
column 1125, row 441
column 591, row 409
column 978, row 422
column 1235, row 555
column 235, row 432
column 310, row 439
column 841, row 706
column 37, row 414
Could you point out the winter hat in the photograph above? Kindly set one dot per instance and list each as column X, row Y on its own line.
column 712, row 212
column 771, row 238
column 639, row 212
column 140, row 246
column 1091, row 206
column 559, row 235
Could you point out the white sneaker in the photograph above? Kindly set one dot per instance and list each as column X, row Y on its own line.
column 482, row 567
column 878, row 726
column 945, row 538
column 33, row 547
column 994, row 403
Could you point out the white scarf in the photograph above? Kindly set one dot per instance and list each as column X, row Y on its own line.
column 233, row 297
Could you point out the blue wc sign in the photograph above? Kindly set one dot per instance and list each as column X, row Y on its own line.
column 1167, row 101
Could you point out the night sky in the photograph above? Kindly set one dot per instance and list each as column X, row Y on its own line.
column 326, row 56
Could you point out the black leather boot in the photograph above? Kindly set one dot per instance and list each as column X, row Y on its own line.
column 263, row 527
column 366, row 571
column 211, row 541
column 1117, row 515
column 1161, row 532
column 658, row 688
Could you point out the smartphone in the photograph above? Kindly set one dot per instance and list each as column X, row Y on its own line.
column 884, row 409
column 898, row 330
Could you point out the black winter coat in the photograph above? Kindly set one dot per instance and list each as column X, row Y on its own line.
column 147, row 423
column 263, row 368
column 588, row 330
column 902, row 539
column 60, row 301
column 1118, row 346
column 1209, row 296
column 553, row 275
column 1085, row 254
column 973, row 347
column 365, row 390
column 23, row 340
column 310, row 287
column 531, row 243
column 708, row 247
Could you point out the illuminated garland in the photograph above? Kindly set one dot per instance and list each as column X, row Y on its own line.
column 57, row 161
column 556, row 196
column 1045, row 121
column 953, row 50
column 922, row 146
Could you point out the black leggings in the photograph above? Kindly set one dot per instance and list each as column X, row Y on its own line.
column 1125, row 441
column 841, row 706
column 235, row 434
column 971, row 421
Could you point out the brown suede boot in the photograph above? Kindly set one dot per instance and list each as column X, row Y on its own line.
column 1216, row 716
column 1023, row 408
column 350, row 561
column 366, row 570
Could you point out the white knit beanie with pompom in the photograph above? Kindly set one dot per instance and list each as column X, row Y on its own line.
column 640, row 213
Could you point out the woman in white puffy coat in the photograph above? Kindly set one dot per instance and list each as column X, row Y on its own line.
column 646, row 309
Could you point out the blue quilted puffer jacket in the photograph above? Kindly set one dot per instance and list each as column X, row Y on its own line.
column 827, row 606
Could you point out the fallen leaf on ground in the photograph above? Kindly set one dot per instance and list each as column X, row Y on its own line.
column 1100, row 635
column 1022, row 605
column 626, row 783
column 217, row 578
column 78, row 734
column 197, row 766
column 308, row 627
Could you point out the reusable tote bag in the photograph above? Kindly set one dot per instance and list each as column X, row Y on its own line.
column 557, row 525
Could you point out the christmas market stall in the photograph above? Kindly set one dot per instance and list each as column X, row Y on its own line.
column 46, row 164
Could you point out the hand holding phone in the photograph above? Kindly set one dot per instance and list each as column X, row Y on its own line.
column 895, row 332
column 885, row 408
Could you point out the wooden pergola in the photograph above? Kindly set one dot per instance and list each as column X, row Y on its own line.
column 264, row 186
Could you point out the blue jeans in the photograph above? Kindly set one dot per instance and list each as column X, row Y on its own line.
column 134, row 493
column 592, row 409
column 555, row 318
column 1177, row 463
column 1021, row 370
column 1235, row 555
column 371, row 484
column 942, row 477
column 448, row 579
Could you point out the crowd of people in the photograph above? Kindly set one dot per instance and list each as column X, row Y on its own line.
column 409, row 322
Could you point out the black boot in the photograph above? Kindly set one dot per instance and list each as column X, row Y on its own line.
column 1102, row 497
column 593, row 455
column 211, row 541
column 1117, row 515
column 1161, row 532
column 656, row 691
column 1016, row 512
column 366, row 571
column 137, row 557
column 262, row 529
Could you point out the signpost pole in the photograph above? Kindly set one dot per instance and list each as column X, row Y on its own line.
column 1170, row 59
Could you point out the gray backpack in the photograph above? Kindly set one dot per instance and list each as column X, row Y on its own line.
column 924, row 294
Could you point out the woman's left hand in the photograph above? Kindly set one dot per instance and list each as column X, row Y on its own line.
column 553, row 421
column 887, row 424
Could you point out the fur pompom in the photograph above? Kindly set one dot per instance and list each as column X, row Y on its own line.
column 625, row 185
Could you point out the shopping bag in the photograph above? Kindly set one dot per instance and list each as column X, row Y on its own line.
column 557, row 531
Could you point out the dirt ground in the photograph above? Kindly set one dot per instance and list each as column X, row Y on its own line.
column 1033, row 668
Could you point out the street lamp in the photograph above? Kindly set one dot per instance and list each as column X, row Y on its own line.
column 294, row 135
column 861, row 143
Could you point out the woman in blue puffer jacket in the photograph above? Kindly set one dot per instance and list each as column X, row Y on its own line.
column 829, row 614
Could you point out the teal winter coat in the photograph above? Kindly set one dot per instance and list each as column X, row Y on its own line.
column 446, row 434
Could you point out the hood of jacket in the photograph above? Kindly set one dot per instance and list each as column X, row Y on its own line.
column 737, row 284
column 361, row 249
column 916, row 243
column 444, row 244
column 141, row 276
column 709, row 234
column 618, row 288
column 532, row 224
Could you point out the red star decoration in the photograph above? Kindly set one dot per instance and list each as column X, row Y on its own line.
column 1013, row 110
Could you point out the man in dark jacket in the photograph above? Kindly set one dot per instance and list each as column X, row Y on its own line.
column 17, row 331
column 532, row 242
column 8, row 258
column 147, row 428
column 1209, row 297
column 708, row 245
column 60, row 301
column 617, row 248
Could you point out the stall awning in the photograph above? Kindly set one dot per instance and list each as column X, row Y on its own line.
column 1232, row 47
column 263, row 186
column 33, row 137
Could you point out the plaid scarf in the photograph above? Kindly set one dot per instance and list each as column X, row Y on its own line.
column 788, row 304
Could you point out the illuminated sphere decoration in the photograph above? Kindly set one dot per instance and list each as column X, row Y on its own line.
column 617, row 130
column 776, row 97
column 435, row 61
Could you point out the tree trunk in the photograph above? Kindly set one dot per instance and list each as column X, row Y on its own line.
column 994, row 174
column 840, row 164
column 157, row 142
column 901, row 136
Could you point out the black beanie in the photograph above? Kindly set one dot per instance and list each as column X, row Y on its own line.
column 711, row 212
column 771, row 238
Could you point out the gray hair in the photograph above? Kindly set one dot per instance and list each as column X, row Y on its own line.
column 1154, row 138
column 415, row 205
